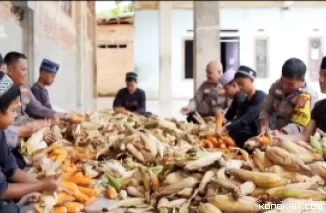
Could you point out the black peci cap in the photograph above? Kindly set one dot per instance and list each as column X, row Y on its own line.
column 2, row 61
column 323, row 63
column 131, row 76
column 245, row 71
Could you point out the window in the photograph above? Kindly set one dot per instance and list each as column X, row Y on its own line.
column 315, row 56
column 66, row 7
column 261, row 57
column 112, row 46
column 188, row 59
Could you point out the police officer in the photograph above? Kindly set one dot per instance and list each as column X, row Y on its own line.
column 48, row 71
column 290, row 100
column 209, row 96
column 24, row 125
column 318, row 114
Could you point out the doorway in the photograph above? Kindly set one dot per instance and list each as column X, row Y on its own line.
column 230, row 55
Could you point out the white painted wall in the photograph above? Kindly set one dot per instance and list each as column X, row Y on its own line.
column 288, row 31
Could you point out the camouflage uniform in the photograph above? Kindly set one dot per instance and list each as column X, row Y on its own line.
column 284, row 108
column 208, row 98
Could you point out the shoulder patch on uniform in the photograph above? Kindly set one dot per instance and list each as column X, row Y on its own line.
column 302, row 100
column 278, row 92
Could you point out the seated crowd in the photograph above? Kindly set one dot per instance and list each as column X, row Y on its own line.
column 291, row 108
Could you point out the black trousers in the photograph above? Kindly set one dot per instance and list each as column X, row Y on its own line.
column 191, row 119
column 241, row 136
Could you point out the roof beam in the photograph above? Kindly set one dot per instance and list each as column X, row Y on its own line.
column 153, row 5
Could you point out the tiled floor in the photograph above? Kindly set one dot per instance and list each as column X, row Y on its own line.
column 153, row 106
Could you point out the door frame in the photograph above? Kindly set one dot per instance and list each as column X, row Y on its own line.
column 191, row 37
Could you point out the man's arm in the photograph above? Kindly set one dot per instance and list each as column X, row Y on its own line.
column 249, row 116
column 265, row 113
column 199, row 95
column 236, row 102
column 14, row 191
column 118, row 100
column 304, row 135
column 35, row 108
column 142, row 103
column 302, row 119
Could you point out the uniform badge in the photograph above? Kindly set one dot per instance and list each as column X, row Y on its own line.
column 278, row 92
column 206, row 91
column 27, row 101
column 302, row 100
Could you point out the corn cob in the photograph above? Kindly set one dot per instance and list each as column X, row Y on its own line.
column 228, row 204
column 207, row 159
column 319, row 167
column 208, row 208
column 189, row 182
column 283, row 158
column 266, row 179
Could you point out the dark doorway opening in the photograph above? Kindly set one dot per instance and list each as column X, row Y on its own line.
column 230, row 55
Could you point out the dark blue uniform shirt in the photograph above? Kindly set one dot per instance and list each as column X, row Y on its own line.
column 8, row 164
column 233, row 111
column 248, row 114
column 135, row 102
column 41, row 94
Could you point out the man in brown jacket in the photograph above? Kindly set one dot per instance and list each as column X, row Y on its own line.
column 210, row 95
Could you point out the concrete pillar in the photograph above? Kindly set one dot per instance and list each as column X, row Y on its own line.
column 79, row 51
column 165, row 40
column 206, row 37
column 28, row 39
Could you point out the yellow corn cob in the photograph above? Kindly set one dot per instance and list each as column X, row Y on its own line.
column 208, row 208
column 261, row 179
column 228, row 204
column 63, row 197
column 60, row 209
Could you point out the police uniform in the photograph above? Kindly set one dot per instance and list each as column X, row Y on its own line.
column 41, row 93
column 290, row 113
column 208, row 98
column 246, row 125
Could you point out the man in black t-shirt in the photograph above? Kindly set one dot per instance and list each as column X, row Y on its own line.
column 246, row 124
column 233, row 92
column 131, row 98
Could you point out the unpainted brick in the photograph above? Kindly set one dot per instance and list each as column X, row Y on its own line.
column 113, row 64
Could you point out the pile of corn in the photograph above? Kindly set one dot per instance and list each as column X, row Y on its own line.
column 156, row 165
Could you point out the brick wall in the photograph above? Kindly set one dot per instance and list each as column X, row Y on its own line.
column 113, row 63
column 55, row 39
column 11, row 33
